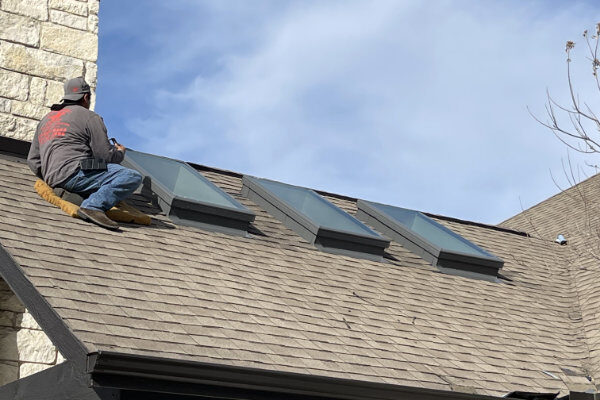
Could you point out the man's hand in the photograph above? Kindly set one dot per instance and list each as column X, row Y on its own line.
column 117, row 145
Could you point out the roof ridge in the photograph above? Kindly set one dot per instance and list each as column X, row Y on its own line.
column 216, row 170
column 241, row 175
column 355, row 199
column 478, row 224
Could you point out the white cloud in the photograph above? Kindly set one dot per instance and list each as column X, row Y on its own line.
column 401, row 102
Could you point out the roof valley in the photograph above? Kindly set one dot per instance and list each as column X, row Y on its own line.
column 585, row 317
column 574, row 213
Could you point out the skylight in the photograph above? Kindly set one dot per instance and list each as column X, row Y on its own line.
column 187, row 197
column 315, row 219
column 434, row 242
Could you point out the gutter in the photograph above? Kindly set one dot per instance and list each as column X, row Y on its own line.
column 135, row 372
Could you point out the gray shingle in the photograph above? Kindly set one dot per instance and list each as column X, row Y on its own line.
column 277, row 303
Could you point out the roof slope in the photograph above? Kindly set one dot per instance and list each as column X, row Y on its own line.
column 272, row 301
column 574, row 213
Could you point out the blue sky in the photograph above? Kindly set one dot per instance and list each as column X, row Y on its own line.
column 417, row 104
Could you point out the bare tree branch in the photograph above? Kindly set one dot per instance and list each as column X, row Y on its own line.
column 583, row 134
column 577, row 126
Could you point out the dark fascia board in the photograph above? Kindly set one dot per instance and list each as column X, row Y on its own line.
column 43, row 313
column 108, row 369
column 14, row 146
column 534, row 395
column 178, row 207
column 412, row 241
column 330, row 240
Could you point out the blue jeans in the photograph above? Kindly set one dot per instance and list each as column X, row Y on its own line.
column 106, row 188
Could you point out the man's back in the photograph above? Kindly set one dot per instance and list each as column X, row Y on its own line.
column 66, row 136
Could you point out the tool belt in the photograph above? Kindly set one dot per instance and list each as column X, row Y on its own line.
column 92, row 164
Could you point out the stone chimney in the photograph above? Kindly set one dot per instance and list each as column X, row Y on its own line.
column 42, row 44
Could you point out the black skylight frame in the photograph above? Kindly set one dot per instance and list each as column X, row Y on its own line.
column 192, row 212
column 369, row 245
column 483, row 266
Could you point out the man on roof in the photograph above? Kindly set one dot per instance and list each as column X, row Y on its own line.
column 71, row 150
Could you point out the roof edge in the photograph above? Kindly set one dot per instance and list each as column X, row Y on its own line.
column 541, row 203
column 478, row 224
column 355, row 199
column 216, row 170
column 104, row 365
column 15, row 147
column 43, row 313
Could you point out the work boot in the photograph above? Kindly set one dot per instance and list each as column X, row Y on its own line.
column 97, row 217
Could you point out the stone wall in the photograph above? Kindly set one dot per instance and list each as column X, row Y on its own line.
column 42, row 43
column 24, row 347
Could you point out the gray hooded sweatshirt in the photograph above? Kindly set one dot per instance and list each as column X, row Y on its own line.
column 63, row 138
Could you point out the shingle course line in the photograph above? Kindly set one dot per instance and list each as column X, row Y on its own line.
column 440, row 314
column 394, row 287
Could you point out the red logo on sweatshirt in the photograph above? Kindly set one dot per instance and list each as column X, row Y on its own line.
column 54, row 126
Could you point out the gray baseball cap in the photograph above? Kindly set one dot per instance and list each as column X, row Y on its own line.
column 75, row 89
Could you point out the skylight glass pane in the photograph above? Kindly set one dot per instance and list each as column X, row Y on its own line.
column 430, row 230
column 182, row 180
column 317, row 208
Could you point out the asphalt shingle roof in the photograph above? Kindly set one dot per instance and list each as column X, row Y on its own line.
column 275, row 302
column 575, row 213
